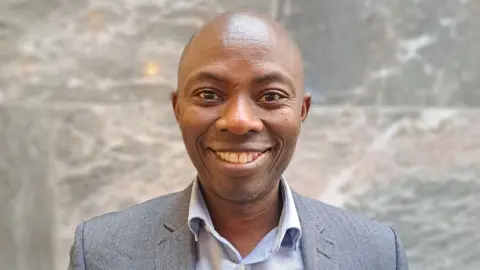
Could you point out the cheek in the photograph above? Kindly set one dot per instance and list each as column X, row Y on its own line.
column 195, row 121
column 286, row 126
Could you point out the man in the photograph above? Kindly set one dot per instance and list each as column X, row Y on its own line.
column 240, row 104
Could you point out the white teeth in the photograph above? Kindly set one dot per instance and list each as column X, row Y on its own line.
column 242, row 158
column 233, row 158
column 238, row 158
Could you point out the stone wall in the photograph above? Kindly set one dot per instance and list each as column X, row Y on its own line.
column 86, row 127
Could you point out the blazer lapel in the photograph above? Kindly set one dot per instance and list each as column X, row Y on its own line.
column 175, row 247
column 318, row 251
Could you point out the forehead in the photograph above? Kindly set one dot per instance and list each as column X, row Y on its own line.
column 240, row 41
column 237, row 56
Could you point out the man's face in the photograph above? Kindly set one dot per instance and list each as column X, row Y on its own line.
column 240, row 105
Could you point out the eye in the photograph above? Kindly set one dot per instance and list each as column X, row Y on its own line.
column 209, row 95
column 271, row 97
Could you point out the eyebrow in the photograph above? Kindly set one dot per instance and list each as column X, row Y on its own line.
column 274, row 76
column 205, row 75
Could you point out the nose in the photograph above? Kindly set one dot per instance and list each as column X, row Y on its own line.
column 238, row 117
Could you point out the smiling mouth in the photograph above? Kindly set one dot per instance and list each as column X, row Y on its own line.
column 239, row 157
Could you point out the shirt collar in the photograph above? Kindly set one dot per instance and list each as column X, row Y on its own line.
column 289, row 230
column 197, row 211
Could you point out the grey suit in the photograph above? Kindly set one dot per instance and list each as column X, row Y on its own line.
column 155, row 235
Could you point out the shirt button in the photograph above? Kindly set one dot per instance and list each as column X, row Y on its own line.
column 241, row 267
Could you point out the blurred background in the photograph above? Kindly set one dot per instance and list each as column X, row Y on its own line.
column 86, row 125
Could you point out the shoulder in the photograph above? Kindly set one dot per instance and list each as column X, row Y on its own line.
column 131, row 225
column 335, row 217
column 119, row 240
column 130, row 216
column 356, row 237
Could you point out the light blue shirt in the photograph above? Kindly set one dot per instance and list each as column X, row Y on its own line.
column 279, row 249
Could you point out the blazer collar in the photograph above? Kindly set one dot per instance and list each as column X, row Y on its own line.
column 174, row 246
column 318, row 251
column 174, row 237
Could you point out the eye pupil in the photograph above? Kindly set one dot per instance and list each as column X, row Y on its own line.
column 209, row 95
column 271, row 97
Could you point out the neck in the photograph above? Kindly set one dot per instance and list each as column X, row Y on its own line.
column 245, row 224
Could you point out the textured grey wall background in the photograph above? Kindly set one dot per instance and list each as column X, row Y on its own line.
column 86, row 126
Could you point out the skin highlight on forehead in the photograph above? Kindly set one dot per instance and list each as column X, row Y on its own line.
column 242, row 28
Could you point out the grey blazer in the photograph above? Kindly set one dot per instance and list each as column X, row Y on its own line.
column 155, row 235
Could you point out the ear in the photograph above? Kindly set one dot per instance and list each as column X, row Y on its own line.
column 307, row 99
column 174, row 98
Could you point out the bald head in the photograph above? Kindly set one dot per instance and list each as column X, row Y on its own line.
column 242, row 33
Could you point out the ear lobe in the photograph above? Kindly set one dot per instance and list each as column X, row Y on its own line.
column 307, row 99
column 174, row 99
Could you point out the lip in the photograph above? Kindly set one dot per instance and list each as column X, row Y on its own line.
column 239, row 169
column 240, row 150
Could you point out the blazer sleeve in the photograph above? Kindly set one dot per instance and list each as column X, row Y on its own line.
column 77, row 259
column 401, row 256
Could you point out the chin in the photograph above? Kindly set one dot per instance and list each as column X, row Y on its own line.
column 243, row 190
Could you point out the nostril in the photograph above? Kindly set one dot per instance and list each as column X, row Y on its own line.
column 238, row 126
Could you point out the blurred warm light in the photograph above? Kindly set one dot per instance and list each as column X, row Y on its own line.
column 151, row 69
column 95, row 20
column 27, row 65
